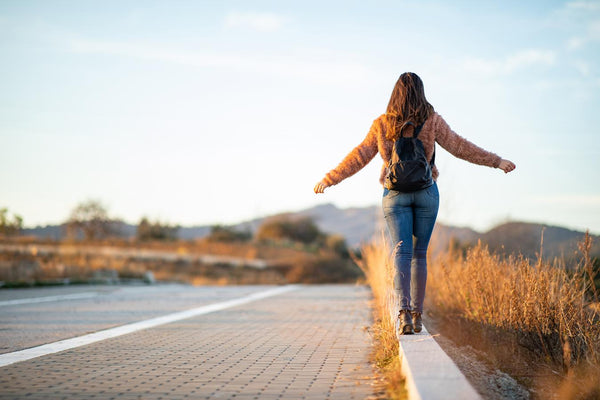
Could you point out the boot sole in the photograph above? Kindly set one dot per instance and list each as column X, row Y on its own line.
column 407, row 330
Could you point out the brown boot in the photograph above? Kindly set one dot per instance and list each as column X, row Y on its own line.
column 404, row 324
column 417, row 321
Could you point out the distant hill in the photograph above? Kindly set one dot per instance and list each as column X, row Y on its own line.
column 526, row 239
column 357, row 225
column 363, row 224
column 443, row 234
column 52, row 232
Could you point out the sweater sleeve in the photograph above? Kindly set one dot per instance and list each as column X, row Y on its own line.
column 356, row 159
column 462, row 148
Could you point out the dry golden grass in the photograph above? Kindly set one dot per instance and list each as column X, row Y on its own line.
column 249, row 250
column 81, row 262
column 546, row 311
column 547, row 302
column 378, row 271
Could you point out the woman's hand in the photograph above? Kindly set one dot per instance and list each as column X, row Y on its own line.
column 320, row 187
column 506, row 166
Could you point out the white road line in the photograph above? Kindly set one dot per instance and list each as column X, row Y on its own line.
column 48, row 298
column 50, row 348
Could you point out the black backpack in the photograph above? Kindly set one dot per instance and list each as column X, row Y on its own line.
column 408, row 169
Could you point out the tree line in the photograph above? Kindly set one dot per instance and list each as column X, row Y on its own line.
column 90, row 220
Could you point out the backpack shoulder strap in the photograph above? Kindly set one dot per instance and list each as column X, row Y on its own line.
column 418, row 130
column 404, row 125
column 416, row 134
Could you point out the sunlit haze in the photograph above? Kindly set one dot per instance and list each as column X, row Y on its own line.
column 203, row 112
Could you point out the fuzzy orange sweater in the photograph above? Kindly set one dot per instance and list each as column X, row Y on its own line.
column 434, row 130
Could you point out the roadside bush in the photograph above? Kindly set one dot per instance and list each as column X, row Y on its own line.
column 302, row 230
column 323, row 269
column 545, row 315
column 89, row 220
column 10, row 226
column 220, row 233
column 147, row 230
column 526, row 318
column 378, row 269
column 337, row 244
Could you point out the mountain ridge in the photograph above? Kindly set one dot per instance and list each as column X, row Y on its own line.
column 360, row 225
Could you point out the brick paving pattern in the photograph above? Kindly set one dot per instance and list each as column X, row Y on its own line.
column 306, row 344
column 30, row 325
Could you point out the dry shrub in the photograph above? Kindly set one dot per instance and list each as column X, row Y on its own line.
column 545, row 308
column 582, row 383
column 83, row 262
column 377, row 268
column 544, row 301
column 378, row 271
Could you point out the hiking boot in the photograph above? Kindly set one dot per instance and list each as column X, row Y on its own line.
column 404, row 324
column 417, row 321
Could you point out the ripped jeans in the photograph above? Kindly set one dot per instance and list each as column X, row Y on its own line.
column 408, row 215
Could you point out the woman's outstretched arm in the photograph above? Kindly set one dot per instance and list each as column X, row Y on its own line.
column 462, row 148
column 360, row 156
column 507, row 166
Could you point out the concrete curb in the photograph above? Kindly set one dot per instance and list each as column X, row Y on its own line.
column 430, row 373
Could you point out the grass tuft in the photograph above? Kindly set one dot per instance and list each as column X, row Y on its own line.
column 537, row 319
column 378, row 271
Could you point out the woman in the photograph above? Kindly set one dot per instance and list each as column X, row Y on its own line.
column 409, row 214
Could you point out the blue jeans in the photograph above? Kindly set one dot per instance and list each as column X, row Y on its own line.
column 408, row 215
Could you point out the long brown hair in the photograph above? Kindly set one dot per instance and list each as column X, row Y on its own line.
column 407, row 104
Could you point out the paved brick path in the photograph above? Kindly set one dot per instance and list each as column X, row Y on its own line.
column 306, row 344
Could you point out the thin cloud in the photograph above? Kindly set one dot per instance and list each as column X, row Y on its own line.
column 576, row 43
column 584, row 5
column 583, row 68
column 520, row 60
column 582, row 17
column 325, row 72
column 151, row 53
column 591, row 34
column 262, row 22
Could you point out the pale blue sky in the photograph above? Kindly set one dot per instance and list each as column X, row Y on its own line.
column 201, row 112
